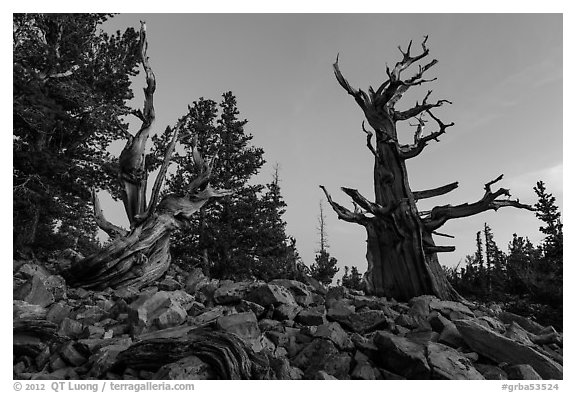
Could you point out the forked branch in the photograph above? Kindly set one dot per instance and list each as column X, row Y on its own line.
column 345, row 214
column 364, row 203
column 410, row 151
column 440, row 214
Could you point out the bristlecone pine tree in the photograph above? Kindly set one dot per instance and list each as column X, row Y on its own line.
column 402, row 256
column 141, row 254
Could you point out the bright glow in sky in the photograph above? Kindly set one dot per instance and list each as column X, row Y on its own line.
column 503, row 73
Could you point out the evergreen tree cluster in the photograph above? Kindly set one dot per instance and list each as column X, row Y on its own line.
column 352, row 279
column 526, row 273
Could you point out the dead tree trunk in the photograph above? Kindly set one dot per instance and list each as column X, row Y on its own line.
column 141, row 254
column 402, row 256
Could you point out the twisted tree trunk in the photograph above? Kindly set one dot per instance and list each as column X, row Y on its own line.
column 402, row 256
column 141, row 254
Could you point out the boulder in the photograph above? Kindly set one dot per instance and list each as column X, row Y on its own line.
column 317, row 352
column 502, row 349
column 286, row 312
column 491, row 372
column 365, row 371
column 71, row 355
column 451, row 308
column 323, row 375
column 301, row 292
column 365, row 321
column 169, row 284
column 210, row 316
column 522, row 372
column 311, row 317
column 70, row 328
column 402, row 356
column 243, row 325
column 104, row 359
column 190, row 367
column 270, row 294
column 526, row 323
column 447, row 363
column 34, row 291
column 334, row 332
column 159, row 309
column 232, row 292
column 516, row 333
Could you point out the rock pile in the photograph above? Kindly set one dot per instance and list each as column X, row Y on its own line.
column 283, row 329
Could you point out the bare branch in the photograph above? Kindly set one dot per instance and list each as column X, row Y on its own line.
column 112, row 230
column 360, row 96
column 435, row 191
column 364, row 203
column 343, row 213
column 132, row 159
column 407, row 60
column 410, row 151
column 369, row 135
column 162, row 172
column 440, row 214
column 435, row 249
column 419, row 108
column 443, row 234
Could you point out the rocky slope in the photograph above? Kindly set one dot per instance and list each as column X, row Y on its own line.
column 189, row 326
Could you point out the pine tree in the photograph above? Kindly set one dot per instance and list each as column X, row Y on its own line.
column 547, row 211
column 352, row 279
column 71, row 86
column 495, row 274
column 244, row 234
column 324, row 267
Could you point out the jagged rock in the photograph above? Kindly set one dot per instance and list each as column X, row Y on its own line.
column 365, row 371
column 78, row 293
column 70, row 328
column 269, row 294
column 244, row 325
column 334, row 332
column 210, row 316
column 66, row 373
column 364, row 321
column 270, row 325
column 338, row 308
column 420, row 305
column 502, row 349
column 190, row 367
column 92, row 332
column 25, row 310
column 232, row 292
column 402, row 356
column 451, row 309
column 184, row 299
column 526, row 323
column 286, row 312
column 159, row 309
column 447, row 363
column 311, row 317
column 245, row 306
column 491, row 372
column 89, row 315
column 284, row 371
column 423, row 337
column 314, row 355
column 34, row 291
column 169, row 284
column 516, row 333
column 323, row 375
column 127, row 293
column 413, row 321
column 522, row 372
column 104, row 359
column 70, row 354
column 195, row 280
column 301, row 292
column 491, row 323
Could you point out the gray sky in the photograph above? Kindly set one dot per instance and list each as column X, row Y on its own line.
column 503, row 73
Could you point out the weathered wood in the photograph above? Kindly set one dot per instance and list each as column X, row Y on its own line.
column 228, row 355
column 401, row 254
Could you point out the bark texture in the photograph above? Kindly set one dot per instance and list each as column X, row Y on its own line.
column 141, row 254
column 402, row 256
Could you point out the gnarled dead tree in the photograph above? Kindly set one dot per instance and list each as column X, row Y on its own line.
column 141, row 254
column 402, row 255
